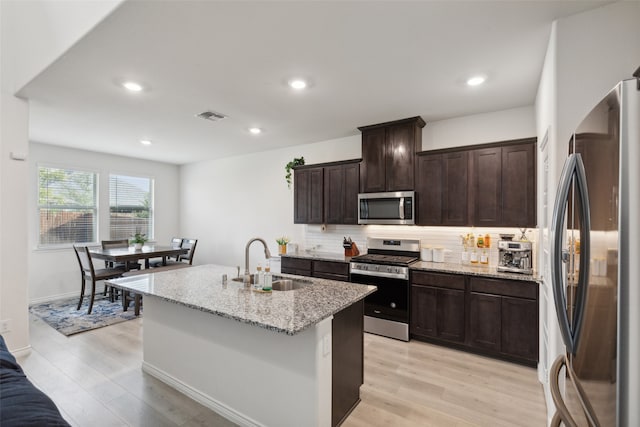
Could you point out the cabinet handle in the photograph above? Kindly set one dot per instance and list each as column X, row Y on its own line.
column 377, row 311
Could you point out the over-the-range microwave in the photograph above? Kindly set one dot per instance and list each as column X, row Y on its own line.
column 395, row 208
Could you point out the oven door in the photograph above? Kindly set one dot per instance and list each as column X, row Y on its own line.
column 390, row 301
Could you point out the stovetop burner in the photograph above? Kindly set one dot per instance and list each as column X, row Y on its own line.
column 385, row 259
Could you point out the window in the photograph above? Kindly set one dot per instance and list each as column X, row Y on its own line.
column 130, row 206
column 67, row 206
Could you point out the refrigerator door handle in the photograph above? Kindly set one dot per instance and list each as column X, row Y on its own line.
column 573, row 171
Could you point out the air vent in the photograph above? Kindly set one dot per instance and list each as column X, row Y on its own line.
column 211, row 115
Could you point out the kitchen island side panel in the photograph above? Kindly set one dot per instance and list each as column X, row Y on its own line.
column 250, row 375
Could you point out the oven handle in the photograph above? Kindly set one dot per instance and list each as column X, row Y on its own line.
column 400, row 276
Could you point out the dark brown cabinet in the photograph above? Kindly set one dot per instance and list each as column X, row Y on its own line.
column 347, row 332
column 326, row 193
column 388, row 155
column 332, row 270
column 442, row 188
column 308, row 195
column 490, row 316
column 503, row 318
column 490, row 186
column 437, row 306
column 341, row 187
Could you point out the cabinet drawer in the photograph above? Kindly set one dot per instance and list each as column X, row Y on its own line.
column 340, row 268
column 297, row 264
column 511, row 288
column 331, row 276
column 450, row 281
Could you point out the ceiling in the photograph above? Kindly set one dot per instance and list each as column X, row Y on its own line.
column 367, row 62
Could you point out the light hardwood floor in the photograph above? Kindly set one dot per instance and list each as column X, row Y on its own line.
column 96, row 380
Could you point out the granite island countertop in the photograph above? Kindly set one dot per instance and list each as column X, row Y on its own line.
column 201, row 288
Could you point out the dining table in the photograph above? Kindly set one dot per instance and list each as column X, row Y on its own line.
column 124, row 255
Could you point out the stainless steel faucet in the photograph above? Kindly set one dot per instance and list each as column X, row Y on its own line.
column 267, row 254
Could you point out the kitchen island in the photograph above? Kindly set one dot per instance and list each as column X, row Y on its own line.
column 256, row 358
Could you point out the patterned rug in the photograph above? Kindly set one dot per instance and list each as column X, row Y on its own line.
column 64, row 318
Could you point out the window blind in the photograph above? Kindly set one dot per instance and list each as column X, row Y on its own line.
column 130, row 206
column 67, row 206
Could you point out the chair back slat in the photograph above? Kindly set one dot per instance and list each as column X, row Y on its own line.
column 111, row 244
column 84, row 259
column 191, row 245
column 176, row 242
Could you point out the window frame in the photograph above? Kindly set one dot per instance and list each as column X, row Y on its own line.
column 39, row 207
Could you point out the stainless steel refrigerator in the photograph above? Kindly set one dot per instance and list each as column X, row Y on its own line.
column 595, row 267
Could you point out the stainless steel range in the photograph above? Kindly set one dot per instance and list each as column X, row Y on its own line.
column 386, row 265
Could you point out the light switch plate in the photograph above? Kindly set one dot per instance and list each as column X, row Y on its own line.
column 326, row 345
column 5, row 326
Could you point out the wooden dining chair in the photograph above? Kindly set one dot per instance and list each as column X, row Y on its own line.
column 176, row 242
column 89, row 273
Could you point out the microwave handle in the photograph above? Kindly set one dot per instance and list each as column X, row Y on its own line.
column 401, row 208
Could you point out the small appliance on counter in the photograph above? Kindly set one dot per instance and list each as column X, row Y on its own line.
column 515, row 256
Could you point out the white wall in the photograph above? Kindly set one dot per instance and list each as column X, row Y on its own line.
column 587, row 55
column 480, row 128
column 54, row 273
column 32, row 35
column 242, row 197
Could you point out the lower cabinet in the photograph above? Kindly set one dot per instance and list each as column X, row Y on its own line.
column 332, row 270
column 437, row 306
column 494, row 317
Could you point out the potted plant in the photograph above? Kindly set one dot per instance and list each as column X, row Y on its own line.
column 138, row 240
column 282, row 244
column 293, row 163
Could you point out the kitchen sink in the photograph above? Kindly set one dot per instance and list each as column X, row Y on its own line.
column 280, row 283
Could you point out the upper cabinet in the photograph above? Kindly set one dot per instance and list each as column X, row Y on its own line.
column 388, row 155
column 326, row 193
column 488, row 186
column 308, row 195
column 341, row 185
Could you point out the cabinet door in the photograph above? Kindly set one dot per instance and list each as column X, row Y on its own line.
column 519, row 185
column 308, row 196
column 423, row 311
column 316, row 196
column 455, row 187
column 400, row 157
column 301, row 191
column 351, row 190
column 372, row 172
column 450, row 314
column 520, row 327
column 487, row 187
column 429, row 188
column 485, row 321
column 334, row 194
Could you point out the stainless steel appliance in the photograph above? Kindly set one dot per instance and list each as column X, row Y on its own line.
column 596, row 220
column 387, row 208
column 386, row 265
column 515, row 256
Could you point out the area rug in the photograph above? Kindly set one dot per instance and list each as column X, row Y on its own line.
column 64, row 318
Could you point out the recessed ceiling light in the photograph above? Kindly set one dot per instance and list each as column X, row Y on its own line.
column 476, row 80
column 145, row 142
column 255, row 131
column 132, row 86
column 298, row 84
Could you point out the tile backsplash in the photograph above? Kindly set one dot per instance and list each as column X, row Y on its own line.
column 328, row 238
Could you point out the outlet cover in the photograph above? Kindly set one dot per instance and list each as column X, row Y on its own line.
column 5, row 326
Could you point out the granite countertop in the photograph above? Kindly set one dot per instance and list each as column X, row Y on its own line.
column 288, row 312
column 472, row 270
column 320, row 256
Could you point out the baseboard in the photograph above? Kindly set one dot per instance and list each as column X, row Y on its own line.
column 21, row 352
column 57, row 297
column 198, row 396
